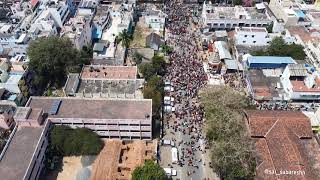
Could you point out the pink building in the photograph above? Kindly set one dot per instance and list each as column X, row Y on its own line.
column 110, row 118
column 6, row 116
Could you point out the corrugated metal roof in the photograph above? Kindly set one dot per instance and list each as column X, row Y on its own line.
column 223, row 50
column 231, row 64
column 297, row 70
column 271, row 60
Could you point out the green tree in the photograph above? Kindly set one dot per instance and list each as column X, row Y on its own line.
column 237, row 2
column 147, row 70
column 58, row 136
column 158, row 63
column 137, row 58
column 150, row 92
column 296, row 51
column 125, row 38
column 166, row 49
column 232, row 149
column 51, row 58
column 156, row 82
column 70, row 142
column 269, row 28
column 149, row 171
column 278, row 47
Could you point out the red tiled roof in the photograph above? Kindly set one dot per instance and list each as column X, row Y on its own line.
column 279, row 144
column 34, row 2
column 299, row 86
column 304, row 34
column 262, row 91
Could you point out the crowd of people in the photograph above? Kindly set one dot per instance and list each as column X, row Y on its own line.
column 187, row 76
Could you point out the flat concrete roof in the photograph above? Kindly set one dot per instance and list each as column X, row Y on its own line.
column 109, row 72
column 15, row 161
column 89, row 108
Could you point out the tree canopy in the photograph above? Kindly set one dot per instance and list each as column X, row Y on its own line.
column 166, row 49
column 231, row 147
column 52, row 58
column 149, row 171
column 154, row 90
column 137, row 58
column 74, row 142
column 125, row 38
column 278, row 47
column 156, row 67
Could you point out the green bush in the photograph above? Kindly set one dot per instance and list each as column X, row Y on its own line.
column 149, row 171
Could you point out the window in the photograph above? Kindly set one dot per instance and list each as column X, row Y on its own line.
column 268, row 42
column 254, row 41
column 243, row 41
column 252, row 36
column 245, row 35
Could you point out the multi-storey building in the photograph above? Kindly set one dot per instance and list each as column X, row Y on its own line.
column 228, row 18
column 252, row 36
column 109, row 118
column 300, row 83
column 24, row 154
column 313, row 52
column 289, row 12
column 79, row 31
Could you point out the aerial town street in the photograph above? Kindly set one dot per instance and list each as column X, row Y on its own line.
column 186, row 75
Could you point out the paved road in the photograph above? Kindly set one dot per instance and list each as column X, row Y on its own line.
column 186, row 73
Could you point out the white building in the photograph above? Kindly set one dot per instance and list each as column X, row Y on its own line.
column 220, row 18
column 12, row 83
column 252, row 36
column 155, row 19
column 300, row 83
column 79, row 31
column 49, row 21
column 313, row 52
column 289, row 12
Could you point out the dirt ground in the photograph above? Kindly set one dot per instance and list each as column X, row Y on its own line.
column 118, row 159
column 71, row 165
column 140, row 33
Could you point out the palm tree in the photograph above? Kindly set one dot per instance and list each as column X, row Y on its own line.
column 125, row 38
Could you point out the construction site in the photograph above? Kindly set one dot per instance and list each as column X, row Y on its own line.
column 118, row 159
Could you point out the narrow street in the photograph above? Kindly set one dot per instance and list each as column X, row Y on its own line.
column 186, row 75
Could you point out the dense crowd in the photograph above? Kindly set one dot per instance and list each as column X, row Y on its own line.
column 187, row 76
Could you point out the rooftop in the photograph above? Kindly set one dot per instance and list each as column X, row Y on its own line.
column 271, row 59
column 300, row 86
column 264, row 87
column 89, row 108
column 110, row 87
column 297, row 70
column 223, row 50
column 251, row 29
column 279, row 140
column 17, row 157
column 72, row 83
column 305, row 34
column 109, row 72
column 219, row 12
